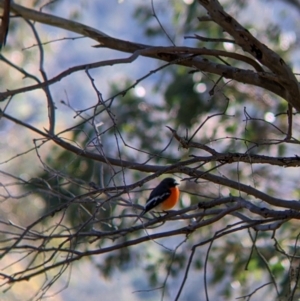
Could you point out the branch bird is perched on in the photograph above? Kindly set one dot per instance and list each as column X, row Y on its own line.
column 164, row 196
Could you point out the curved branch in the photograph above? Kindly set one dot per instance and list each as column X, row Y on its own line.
column 259, row 51
column 261, row 79
column 240, row 187
column 51, row 20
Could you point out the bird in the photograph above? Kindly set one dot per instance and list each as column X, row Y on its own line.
column 164, row 196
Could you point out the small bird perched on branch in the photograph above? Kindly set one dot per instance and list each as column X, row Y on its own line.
column 164, row 196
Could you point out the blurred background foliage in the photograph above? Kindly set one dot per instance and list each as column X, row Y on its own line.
column 135, row 130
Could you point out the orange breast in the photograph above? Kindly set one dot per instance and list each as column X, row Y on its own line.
column 171, row 201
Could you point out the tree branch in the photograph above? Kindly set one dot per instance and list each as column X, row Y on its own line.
column 259, row 51
column 260, row 79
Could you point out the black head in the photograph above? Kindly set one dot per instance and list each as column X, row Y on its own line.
column 170, row 182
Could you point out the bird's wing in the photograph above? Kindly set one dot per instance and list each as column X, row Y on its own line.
column 156, row 200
